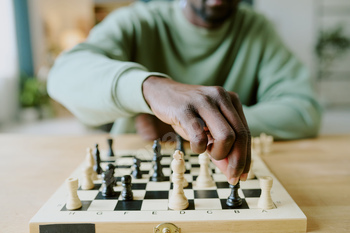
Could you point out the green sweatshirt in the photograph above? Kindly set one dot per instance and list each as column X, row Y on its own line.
column 100, row 80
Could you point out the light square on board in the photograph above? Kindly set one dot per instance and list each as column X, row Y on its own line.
column 166, row 160
column 252, row 202
column 87, row 195
column 155, row 204
column 124, row 161
column 102, row 205
column 207, row 204
column 166, row 171
column 153, row 186
column 146, row 166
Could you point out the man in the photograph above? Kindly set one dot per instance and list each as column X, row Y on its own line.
column 186, row 63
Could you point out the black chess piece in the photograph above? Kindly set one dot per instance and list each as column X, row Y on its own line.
column 179, row 144
column 157, row 166
column 127, row 194
column 234, row 200
column 110, row 152
column 108, row 181
column 136, row 173
column 97, row 166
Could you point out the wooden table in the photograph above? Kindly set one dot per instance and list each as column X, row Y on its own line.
column 315, row 172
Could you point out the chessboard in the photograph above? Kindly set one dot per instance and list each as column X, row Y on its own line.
column 148, row 211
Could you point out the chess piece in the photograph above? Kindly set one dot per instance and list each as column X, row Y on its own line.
column 184, row 181
column 256, row 145
column 108, row 181
column 90, row 162
column 127, row 194
column 157, row 166
column 178, row 200
column 234, row 200
column 136, row 173
column 97, row 166
column 86, row 182
column 179, row 144
column 266, row 142
column 265, row 201
column 251, row 174
column 110, row 152
column 204, row 178
column 73, row 202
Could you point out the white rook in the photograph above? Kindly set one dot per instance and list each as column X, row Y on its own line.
column 73, row 201
column 265, row 201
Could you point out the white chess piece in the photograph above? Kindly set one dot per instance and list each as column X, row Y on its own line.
column 90, row 162
column 86, row 181
column 256, row 145
column 73, row 201
column 204, row 178
column 265, row 201
column 266, row 143
column 178, row 200
column 251, row 174
column 184, row 182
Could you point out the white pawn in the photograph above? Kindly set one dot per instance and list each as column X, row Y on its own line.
column 73, row 201
column 251, row 174
column 90, row 162
column 204, row 178
column 86, row 181
column 265, row 200
column 178, row 200
column 256, row 145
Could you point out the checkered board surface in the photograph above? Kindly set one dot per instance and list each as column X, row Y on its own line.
column 150, row 202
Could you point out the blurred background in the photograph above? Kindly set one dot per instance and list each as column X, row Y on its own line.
column 35, row 32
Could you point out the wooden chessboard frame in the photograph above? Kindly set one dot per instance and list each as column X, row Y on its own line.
column 286, row 217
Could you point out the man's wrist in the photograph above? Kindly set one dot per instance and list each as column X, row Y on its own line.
column 149, row 86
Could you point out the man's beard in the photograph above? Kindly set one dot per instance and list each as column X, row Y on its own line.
column 215, row 15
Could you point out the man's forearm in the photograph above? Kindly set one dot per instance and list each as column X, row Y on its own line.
column 285, row 119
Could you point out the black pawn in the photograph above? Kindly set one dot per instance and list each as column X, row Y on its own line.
column 110, row 147
column 127, row 194
column 234, row 200
column 108, row 181
column 179, row 144
column 97, row 166
column 136, row 173
column 157, row 166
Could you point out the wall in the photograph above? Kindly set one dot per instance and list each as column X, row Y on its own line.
column 294, row 20
column 8, row 63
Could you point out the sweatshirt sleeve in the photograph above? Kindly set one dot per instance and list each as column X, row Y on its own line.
column 286, row 101
column 96, row 80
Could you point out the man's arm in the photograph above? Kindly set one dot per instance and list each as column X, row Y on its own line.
column 286, row 100
column 96, row 80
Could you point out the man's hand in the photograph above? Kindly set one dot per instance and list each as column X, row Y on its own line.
column 150, row 127
column 210, row 118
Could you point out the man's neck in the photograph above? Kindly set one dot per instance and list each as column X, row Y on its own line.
column 196, row 20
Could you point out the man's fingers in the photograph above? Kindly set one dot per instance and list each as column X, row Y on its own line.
column 238, row 106
column 239, row 158
column 222, row 134
column 193, row 126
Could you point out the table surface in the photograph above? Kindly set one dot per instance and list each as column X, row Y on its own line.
column 315, row 172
